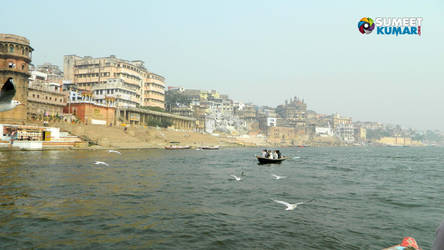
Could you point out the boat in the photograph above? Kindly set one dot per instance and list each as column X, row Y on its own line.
column 210, row 148
column 176, row 147
column 263, row 160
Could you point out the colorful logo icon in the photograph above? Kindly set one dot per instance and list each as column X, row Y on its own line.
column 366, row 25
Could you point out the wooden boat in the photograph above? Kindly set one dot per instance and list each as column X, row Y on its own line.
column 210, row 148
column 263, row 160
column 176, row 147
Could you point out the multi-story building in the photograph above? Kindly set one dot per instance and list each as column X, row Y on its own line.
column 87, row 72
column 53, row 72
column 15, row 57
column 125, row 95
column 248, row 113
column 360, row 134
column 154, row 91
column 45, row 100
column 292, row 113
column 343, row 127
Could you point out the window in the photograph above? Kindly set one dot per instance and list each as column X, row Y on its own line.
column 11, row 48
column 23, row 67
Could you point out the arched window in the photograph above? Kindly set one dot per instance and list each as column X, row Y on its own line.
column 11, row 48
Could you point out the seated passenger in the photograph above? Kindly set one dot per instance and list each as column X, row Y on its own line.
column 264, row 153
column 275, row 155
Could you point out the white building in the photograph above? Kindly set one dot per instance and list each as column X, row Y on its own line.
column 271, row 121
column 126, row 95
column 345, row 132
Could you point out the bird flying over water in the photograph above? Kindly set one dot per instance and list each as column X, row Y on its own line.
column 101, row 163
column 114, row 151
column 291, row 206
column 277, row 177
column 235, row 177
column 7, row 92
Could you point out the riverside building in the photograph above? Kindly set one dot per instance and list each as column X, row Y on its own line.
column 15, row 57
column 137, row 86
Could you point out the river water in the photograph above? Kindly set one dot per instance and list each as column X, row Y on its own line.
column 365, row 198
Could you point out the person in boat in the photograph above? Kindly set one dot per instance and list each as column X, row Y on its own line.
column 264, row 153
column 270, row 154
column 279, row 154
column 275, row 155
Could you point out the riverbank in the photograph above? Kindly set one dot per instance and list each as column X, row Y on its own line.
column 100, row 137
column 95, row 137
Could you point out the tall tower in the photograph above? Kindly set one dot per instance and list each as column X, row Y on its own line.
column 15, row 56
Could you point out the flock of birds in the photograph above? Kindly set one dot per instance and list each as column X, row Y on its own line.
column 290, row 206
column 104, row 163
column 277, row 177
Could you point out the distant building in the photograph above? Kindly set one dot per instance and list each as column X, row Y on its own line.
column 360, row 134
column 125, row 95
column 292, row 113
column 248, row 113
column 398, row 141
column 283, row 135
column 45, row 100
column 323, row 131
column 91, row 73
column 92, row 113
column 52, row 72
column 343, row 128
column 370, row 125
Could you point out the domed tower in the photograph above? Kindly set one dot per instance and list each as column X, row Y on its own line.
column 15, row 56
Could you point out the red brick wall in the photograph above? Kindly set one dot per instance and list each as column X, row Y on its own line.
column 87, row 111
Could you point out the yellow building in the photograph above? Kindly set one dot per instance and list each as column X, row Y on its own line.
column 87, row 72
column 360, row 134
column 284, row 135
column 398, row 141
column 45, row 100
column 338, row 120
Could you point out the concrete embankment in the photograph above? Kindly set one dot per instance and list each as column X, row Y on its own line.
column 144, row 137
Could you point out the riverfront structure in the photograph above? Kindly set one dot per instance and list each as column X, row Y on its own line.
column 131, row 82
column 15, row 57
column 45, row 99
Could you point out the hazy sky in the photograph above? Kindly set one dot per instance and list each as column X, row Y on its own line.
column 259, row 51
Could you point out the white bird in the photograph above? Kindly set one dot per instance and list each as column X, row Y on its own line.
column 291, row 206
column 114, row 151
column 101, row 163
column 6, row 94
column 277, row 177
column 235, row 177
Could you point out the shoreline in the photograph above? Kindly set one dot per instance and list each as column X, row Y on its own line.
column 98, row 137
